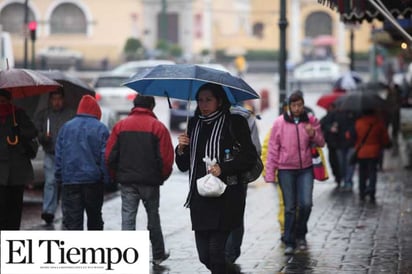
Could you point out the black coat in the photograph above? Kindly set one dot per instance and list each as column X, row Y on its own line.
column 15, row 165
column 224, row 212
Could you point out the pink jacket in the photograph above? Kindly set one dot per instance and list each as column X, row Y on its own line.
column 290, row 145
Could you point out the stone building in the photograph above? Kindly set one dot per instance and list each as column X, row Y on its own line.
column 99, row 28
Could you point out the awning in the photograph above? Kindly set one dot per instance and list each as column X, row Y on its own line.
column 359, row 10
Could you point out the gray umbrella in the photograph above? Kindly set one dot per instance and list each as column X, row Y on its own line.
column 360, row 101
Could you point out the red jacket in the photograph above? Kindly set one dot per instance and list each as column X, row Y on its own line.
column 378, row 136
column 140, row 150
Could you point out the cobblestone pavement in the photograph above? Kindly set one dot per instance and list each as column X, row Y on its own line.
column 345, row 235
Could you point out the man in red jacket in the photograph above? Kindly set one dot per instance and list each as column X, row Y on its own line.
column 139, row 154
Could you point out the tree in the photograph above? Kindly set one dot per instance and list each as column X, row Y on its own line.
column 133, row 49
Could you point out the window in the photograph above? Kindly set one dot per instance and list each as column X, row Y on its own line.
column 12, row 18
column 258, row 30
column 318, row 23
column 68, row 18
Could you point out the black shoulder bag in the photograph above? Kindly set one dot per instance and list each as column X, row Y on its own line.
column 253, row 174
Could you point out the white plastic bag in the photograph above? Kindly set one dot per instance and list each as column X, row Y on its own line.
column 209, row 185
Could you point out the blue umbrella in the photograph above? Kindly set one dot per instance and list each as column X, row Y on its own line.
column 182, row 81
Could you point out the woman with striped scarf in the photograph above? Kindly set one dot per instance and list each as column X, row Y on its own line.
column 212, row 131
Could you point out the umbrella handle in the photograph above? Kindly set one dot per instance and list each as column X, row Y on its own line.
column 13, row 143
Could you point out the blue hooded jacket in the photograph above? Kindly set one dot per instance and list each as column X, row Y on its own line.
column 80, row 146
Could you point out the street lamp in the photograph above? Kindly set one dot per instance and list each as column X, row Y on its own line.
column 26, row 21
column 283, row 23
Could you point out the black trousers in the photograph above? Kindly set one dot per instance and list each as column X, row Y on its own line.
column 210, row 246
column 11, row 206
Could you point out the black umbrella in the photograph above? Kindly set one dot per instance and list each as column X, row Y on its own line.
column 73, row 88
column 360, row 101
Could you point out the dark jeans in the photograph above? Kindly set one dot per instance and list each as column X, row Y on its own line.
column 77, row 198
column 11, row 206
column 211, row 249
column 334, row 164
column 131, row 195
column 367, row 177
column 297, row 189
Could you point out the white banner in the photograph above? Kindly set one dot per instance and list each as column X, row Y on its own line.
column 74, row 252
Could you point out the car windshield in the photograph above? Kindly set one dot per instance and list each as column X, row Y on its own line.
column 110, row 82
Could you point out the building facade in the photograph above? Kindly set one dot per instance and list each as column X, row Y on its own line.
column 99, row 28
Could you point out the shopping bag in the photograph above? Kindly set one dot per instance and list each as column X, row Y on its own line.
column 209, row 185
column 320, row 170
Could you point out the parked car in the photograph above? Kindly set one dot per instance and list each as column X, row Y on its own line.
column 134, row 67
column 317, row 70
column 111, row 94
column 108, row 118
column 179, row 112
column 59, row 57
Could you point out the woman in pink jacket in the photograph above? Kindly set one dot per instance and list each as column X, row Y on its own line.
column 289, row 154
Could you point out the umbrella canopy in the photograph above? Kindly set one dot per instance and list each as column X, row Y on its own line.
column 326, row 100
column 360, row 101
column 24, row 82
column 324, row 40
column 349, row 81
column 73, row 89
column 182, row 81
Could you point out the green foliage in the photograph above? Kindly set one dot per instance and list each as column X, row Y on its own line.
column 205, row 52
column 262, row 55
column 168, row 49
column 133, row 49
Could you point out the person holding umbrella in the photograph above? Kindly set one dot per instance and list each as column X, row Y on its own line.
column 212, row 132
column 16, row 169
column 48, row 122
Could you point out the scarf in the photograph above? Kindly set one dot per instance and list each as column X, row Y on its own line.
column 212, row 147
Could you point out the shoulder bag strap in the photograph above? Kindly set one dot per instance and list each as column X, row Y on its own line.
column 364, row 138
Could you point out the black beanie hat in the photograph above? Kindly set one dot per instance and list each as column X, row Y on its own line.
column 144, row 101
column 5, row 93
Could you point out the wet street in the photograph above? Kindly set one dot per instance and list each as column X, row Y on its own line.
column 345, row 235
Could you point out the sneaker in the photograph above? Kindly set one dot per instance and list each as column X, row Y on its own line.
column 302, row 245
column 47, row 217
column 162, row 259
column 289, row 250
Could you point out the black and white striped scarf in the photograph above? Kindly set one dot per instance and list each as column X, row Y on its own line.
column 212, row 148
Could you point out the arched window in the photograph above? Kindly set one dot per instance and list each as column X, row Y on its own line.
column 67, row 18
column 12, row 18
column 312, row 26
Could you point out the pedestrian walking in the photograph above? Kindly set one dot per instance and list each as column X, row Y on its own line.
column 330, row 129
column 235, row 238
column 140, row 158
column 281, row 204
column 289, row 154
column 372, row 137
column 16, row 169
column 80, row 166
column 212, row 133
column 345, row 126
column 48, row 122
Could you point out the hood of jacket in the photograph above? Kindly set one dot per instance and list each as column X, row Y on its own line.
column 289, row 118
column 88, row 105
